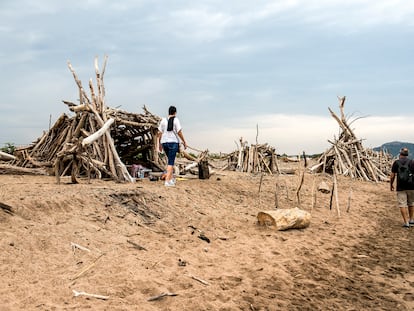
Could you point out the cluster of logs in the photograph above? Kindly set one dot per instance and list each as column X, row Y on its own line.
column 348, row 157
column 97, row 141
column 253, row 159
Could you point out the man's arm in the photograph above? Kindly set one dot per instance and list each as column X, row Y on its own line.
column 392, row 177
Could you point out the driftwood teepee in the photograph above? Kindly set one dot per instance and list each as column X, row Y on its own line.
column 97, row 141
column 348, row 157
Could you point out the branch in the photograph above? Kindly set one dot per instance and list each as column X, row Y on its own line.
column 90, row 139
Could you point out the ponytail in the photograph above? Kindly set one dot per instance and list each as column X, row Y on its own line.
column 170, row 126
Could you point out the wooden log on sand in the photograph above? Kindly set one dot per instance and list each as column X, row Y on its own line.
column 283, row 219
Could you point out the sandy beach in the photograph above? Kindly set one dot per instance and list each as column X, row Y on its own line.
column 101, row 245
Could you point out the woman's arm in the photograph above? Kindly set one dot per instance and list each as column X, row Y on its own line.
column 159, row 134
column 180, row 134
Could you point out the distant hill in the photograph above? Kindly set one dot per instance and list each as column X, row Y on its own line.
column 395, row 146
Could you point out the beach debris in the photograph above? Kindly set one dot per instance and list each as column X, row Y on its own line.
column 198, row 279
column 87, row 268
column 137, row 246
column 157, row 297
column 324, row 188
column 75, row 246
column 203, row 237
column 203, row 169
column 201, row 234
column 77, row 294
column 17, row 170
column 283, row 219
column 223, row 238
column 6, row 208
column 193, row 228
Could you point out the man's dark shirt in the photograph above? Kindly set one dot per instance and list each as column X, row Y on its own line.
column 400, row 185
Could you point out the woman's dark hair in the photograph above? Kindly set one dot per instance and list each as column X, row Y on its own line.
column 172, row 110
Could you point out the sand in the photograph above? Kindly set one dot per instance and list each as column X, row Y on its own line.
column 199, row 246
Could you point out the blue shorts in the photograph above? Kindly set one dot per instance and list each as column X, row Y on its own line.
column 170, row 150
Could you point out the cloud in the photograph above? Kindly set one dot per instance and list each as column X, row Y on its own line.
column 377, row 130
column 354, row 14
column 293, row 134
column 277, row 62
column 287, row 133
column 212, row 21
column 199, row 24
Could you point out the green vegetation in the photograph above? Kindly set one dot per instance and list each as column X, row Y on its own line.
column 8, row 148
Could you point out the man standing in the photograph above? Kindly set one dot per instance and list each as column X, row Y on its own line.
column 402, row 168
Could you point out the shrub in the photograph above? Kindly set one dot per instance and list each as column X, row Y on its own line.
column 8, row 148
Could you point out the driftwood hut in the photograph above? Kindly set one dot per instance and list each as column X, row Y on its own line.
column 253, row 158
column 347, row 155
column 97, row 141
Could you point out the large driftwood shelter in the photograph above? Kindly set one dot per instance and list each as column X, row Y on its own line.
column 97, row 141
column 347, row 156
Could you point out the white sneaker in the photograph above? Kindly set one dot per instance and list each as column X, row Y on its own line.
column 170, row 183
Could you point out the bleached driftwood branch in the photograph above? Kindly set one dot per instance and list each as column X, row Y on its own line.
column 90, row 139
column 75, row 246
column 76, row 294
column 6, row 156
column 199, row 280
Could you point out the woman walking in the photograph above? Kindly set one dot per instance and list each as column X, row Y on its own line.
column 169, row 135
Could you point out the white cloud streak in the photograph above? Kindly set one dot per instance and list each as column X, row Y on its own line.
column 293, row 134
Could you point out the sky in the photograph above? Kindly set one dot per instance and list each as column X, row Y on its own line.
column 266, row 71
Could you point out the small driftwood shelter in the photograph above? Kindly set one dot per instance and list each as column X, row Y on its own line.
column 348, row 157
column 98, row 141
column 253, row 159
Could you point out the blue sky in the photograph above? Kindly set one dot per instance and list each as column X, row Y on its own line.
column 229, row 67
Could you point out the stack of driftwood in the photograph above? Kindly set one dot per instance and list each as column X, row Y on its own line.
column 348, row 157
column 97, row 141
column 253, row 159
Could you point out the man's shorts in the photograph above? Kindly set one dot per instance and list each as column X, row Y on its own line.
column 405, row 198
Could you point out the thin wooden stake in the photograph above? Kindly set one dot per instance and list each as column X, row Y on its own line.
column 313, row 193
column 336, row 191
column 277, row 192
column 302, row 178
column 261, row 180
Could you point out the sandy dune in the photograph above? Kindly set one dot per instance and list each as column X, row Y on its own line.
column 199, row 244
